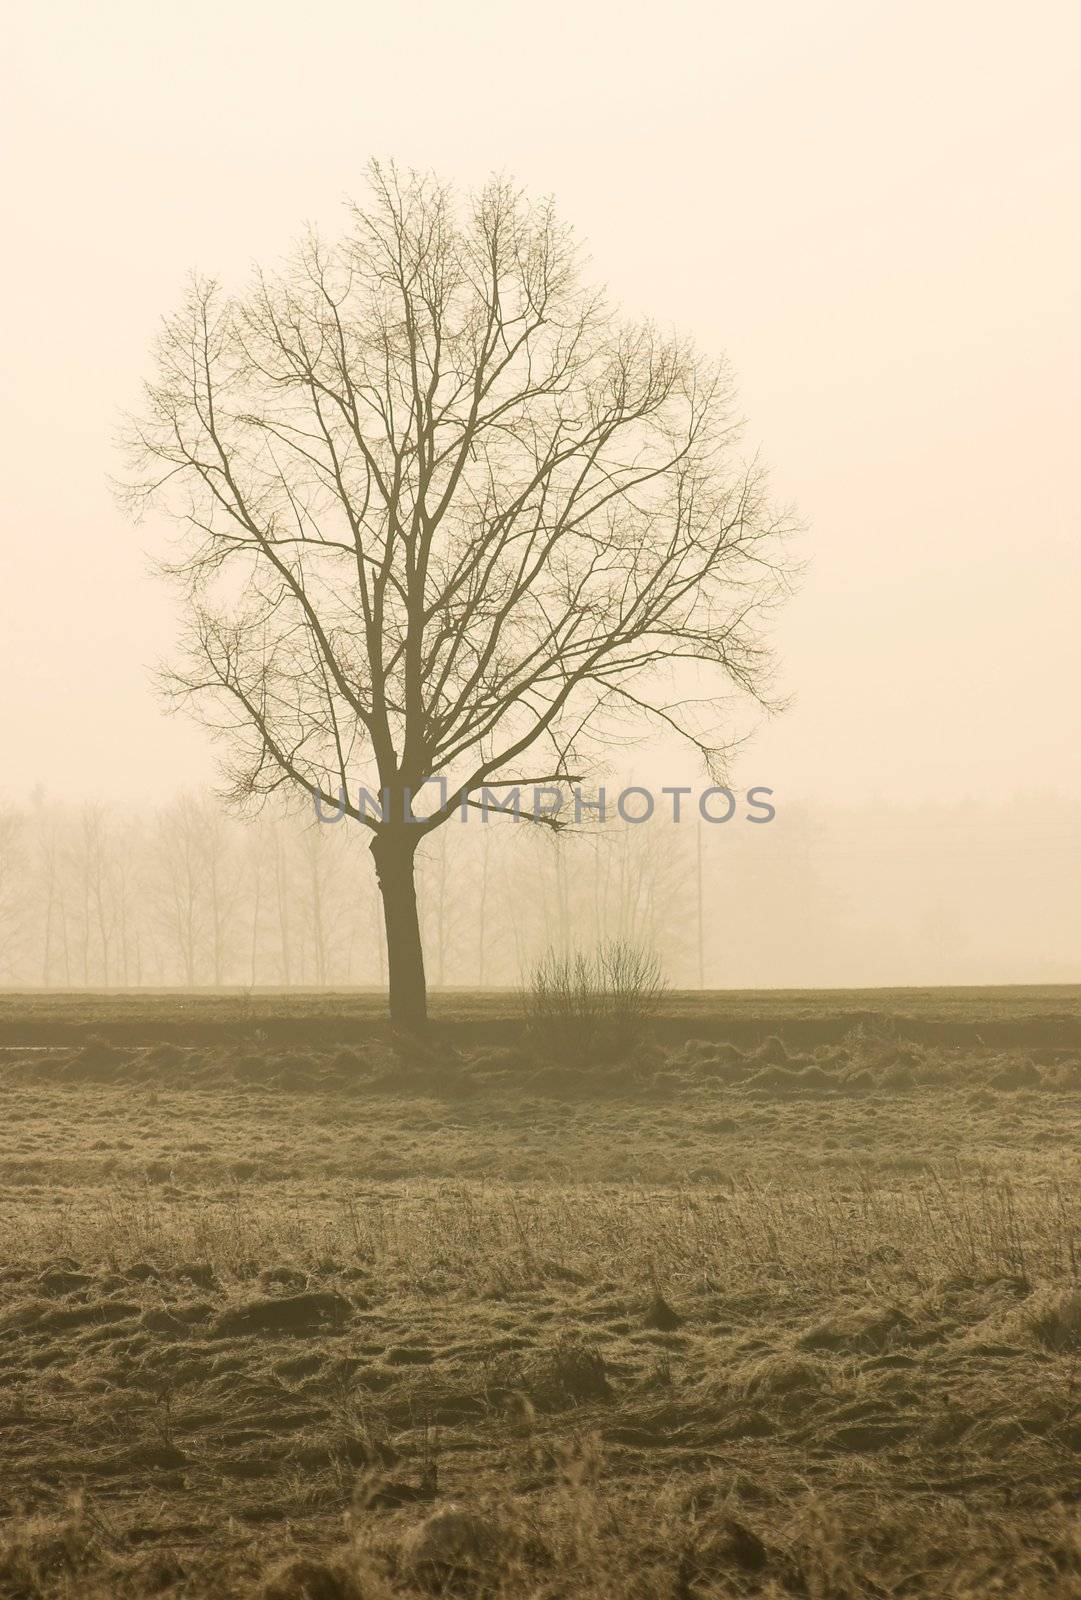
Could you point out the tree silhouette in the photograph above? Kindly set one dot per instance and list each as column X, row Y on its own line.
column 444, row 514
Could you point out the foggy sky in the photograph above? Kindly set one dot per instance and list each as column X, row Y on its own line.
column 871, row 208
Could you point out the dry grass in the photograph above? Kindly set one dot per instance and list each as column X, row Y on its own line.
column 719, row 1322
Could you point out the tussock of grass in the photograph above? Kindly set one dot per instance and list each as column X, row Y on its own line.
column 1055, row 1319
column 782, row 1373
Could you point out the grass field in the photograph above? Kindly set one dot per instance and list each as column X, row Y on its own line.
column 787, row 1303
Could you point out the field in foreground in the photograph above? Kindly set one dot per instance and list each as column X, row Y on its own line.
column 798, row 1314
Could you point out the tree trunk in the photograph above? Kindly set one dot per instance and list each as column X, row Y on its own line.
column 394, row 852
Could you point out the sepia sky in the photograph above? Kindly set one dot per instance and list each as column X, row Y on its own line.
column 872, row 208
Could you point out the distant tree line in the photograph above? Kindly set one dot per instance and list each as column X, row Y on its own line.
column 188, row 894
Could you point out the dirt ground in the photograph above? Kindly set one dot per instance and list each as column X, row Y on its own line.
column 343, row 1319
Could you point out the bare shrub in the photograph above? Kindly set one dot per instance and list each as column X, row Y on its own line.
column 597, row 1004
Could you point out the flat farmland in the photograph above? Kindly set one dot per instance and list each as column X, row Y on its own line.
column 787, row 1302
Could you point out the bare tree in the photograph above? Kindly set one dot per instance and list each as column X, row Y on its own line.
column 11, row 862
column 315, row 847
column 282, row 891
column 254, row 864
column 442, row 906
column 48, row 891
column 445, row 514
column 222, row 881
column 95, row 864
column 181, row 886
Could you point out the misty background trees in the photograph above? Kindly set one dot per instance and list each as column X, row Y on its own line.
column 184, row 893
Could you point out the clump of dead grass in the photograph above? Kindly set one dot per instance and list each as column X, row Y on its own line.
column 1055, row 1319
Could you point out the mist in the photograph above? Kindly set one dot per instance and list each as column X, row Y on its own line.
column 870, row 211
